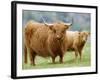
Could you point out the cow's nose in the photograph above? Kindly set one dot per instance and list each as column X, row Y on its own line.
column 84, row 39
column 58, row 37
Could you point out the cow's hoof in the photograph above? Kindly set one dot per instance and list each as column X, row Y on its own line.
column 32, row 64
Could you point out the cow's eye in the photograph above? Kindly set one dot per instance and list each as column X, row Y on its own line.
column 63, row 31
column 54, row 31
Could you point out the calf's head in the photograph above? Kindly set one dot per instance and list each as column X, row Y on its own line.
column 84, row 36
column 59, row 29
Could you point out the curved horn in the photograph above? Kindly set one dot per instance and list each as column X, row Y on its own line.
column 43, row 20
column 70, row 24
column 46, row 24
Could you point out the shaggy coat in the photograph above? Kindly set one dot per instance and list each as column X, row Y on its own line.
column 76, row 41
column 45, row 40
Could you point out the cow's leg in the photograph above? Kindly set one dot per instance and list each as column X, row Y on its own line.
column 76, row 53
column 53, row 56
column 53, row 59
column 25, row 55
column 32, row 57
column 80, row 53
column 61, row 58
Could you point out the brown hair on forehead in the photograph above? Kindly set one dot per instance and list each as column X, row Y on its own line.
column 85, row 33
column 60, row 26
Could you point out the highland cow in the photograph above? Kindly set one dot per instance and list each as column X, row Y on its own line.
column 45, row 40
column 76, row 41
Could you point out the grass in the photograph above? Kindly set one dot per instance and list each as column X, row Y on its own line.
column 69, row 60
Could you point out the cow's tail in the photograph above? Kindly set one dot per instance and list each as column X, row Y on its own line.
column 28, row 33
column 25, row 54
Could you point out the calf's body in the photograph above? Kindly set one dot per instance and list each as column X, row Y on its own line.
column 76, row 41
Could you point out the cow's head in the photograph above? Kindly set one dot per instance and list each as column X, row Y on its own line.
column 84, row 36
column 59, row 29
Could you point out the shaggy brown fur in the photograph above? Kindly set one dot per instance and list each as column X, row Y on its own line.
column 30, row 28
column 76, row 41
column 45, row 40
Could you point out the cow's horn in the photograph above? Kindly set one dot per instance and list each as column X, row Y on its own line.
column 48, row 24
column 70, row 24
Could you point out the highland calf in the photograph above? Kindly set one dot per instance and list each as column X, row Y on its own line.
column 76, row 41
column 45, row 40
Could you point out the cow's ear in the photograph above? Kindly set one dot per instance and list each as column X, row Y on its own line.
column 88, row 33
column 67, row 27
column 51, row 27
column 79, row 33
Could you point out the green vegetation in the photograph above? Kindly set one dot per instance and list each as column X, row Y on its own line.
column 69, row 60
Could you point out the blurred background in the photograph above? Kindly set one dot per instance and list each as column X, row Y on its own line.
column 81, row 21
